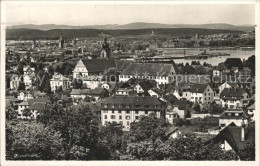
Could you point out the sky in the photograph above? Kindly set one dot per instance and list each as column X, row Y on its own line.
column 100, row 14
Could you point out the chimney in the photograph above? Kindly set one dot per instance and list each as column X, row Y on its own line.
column 243, row 130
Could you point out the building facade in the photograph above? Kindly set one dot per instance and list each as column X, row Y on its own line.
column 201, row 93
column 59, row 81
column 128, row 109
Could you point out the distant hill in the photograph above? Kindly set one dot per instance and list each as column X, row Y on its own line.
column 29, row 34
column 136, row 25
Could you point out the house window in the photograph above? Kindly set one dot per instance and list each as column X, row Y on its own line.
column 146, row 106
column 146, row 112
column 136, row 117
column 113, row 111
column 121, row 122
column 120, row 116
column 128, row 123
column 127, row 117
column 105, row 117
column 128, row 112
column 136, row 112
column 113, row 117
column 119, row 112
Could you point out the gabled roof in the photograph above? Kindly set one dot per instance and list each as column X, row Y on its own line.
column 146, row 85
column 149, row 69
column 252, row 107
column 232, row 134
column 96, row 91
column 157, row 91
column 24, row 103
column 92, row 107
column 171, row 130
column 122, row 64
column 98, row 65
column 182, row 104
column 37, row 106
column 130, row 101
column 198, row 88
column 232, row 93
column 230, row 114
column 40, row 99
column 75, row 92
column 11, row 98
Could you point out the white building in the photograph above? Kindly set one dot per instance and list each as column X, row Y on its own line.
column 14, row 82
column 201, row 93
column 59, row 81
column 92, row 67
column 128, row 109
column 28, row 76
column 234, row 97
column 25, row 95
column 177, row 110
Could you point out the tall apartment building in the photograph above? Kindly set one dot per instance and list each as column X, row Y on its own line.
column 128, row 109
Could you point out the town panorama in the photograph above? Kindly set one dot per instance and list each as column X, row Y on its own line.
column 132, row 94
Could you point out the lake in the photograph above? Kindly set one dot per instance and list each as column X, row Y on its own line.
column 234, row 53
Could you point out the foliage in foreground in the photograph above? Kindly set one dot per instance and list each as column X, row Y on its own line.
column 75, row 134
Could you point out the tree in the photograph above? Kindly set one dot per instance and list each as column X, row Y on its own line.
column 248, row 152
column 149, row 127
column 20, row 69
column 26, row 112
column 233, row 62
column 57, row 69
column 196, row 108
column 27, row 141
column 212, row 108
column 21, row 86
column 11, row 113
column 77, row 83
column 40, row 80
column 111, row 136
column 250, row 62
column 50, row 70
column 7, row 81
column 46, row 82
column 78, row 128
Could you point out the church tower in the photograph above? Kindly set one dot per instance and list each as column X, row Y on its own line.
column 105, row 51
column 61, row 42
